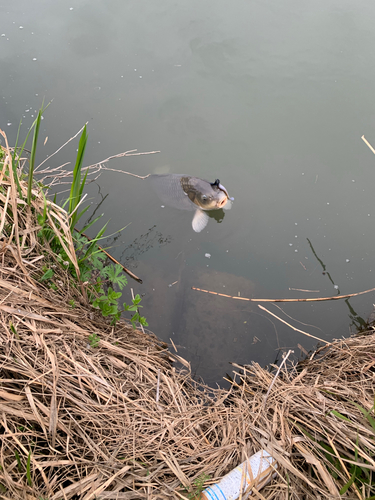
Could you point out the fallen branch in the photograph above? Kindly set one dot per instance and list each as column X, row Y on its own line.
column 292, row 327
column 317, row 299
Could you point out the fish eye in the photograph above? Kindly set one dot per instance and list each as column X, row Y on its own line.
column 204, row 197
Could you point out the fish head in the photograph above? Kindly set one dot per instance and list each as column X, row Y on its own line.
column 210, row 199
column 215, row 196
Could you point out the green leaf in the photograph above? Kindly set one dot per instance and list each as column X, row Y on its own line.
column 107, row 308
column 77, row 185
column 93, row 244
column 115, row 274
column 13, row 328
column 47, row 275
column 113, row 296
column 129, row 308
column 32, row 156
column 137, row 299
column 337, row 414
column 143, row 321
column 94, row 340
column 97, row 261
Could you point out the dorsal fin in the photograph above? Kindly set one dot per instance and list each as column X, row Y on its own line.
column 216, row 183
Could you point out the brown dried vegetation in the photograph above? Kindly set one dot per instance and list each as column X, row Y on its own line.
column 118, row 421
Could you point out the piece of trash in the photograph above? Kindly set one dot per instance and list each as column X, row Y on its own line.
column 336, row 287
column 347, row 260
column 208, row 255
column 171, row 284
column 256, row 471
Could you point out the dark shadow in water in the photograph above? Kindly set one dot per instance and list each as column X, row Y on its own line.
column 218, row 215
column 356, row 321
column 325, row 272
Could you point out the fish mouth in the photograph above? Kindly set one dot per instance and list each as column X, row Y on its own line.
column 223, row 202
column 223, row 189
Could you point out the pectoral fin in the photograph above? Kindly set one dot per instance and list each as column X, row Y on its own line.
column 200, row 220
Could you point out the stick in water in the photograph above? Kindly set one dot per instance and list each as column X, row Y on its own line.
column 291, row 326
column 317, row 299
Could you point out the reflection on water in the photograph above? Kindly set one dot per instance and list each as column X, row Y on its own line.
column 218, row 215
column 357, row 322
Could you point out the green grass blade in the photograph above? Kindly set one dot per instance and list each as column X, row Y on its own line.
column 28, row 133
column 32, row 157
column 82, row 184
column 90, row 224
column 19, row 465
column 16, row 144
column 77, row 185
column 28, row 474
column 24, row 143
column 81, row 213
column 14, row 163
column 337, row 414
column 93, row 243
column 366, row 413
column 346, row 486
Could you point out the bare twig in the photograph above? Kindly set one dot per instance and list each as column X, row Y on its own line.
column 317, row 299
column 291, row 326
column 276, row 375
column 368, row 144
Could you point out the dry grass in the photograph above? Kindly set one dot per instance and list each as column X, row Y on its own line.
column 310, row 421
column 119, row 421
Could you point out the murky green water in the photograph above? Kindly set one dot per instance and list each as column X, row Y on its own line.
column 272, row 97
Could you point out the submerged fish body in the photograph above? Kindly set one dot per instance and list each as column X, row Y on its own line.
column 191, row 193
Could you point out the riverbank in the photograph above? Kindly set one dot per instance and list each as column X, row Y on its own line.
column 91, row 409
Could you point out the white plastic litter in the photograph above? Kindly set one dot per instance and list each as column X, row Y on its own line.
column 256, row 471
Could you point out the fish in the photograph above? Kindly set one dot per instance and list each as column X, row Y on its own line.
column 186, row 192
